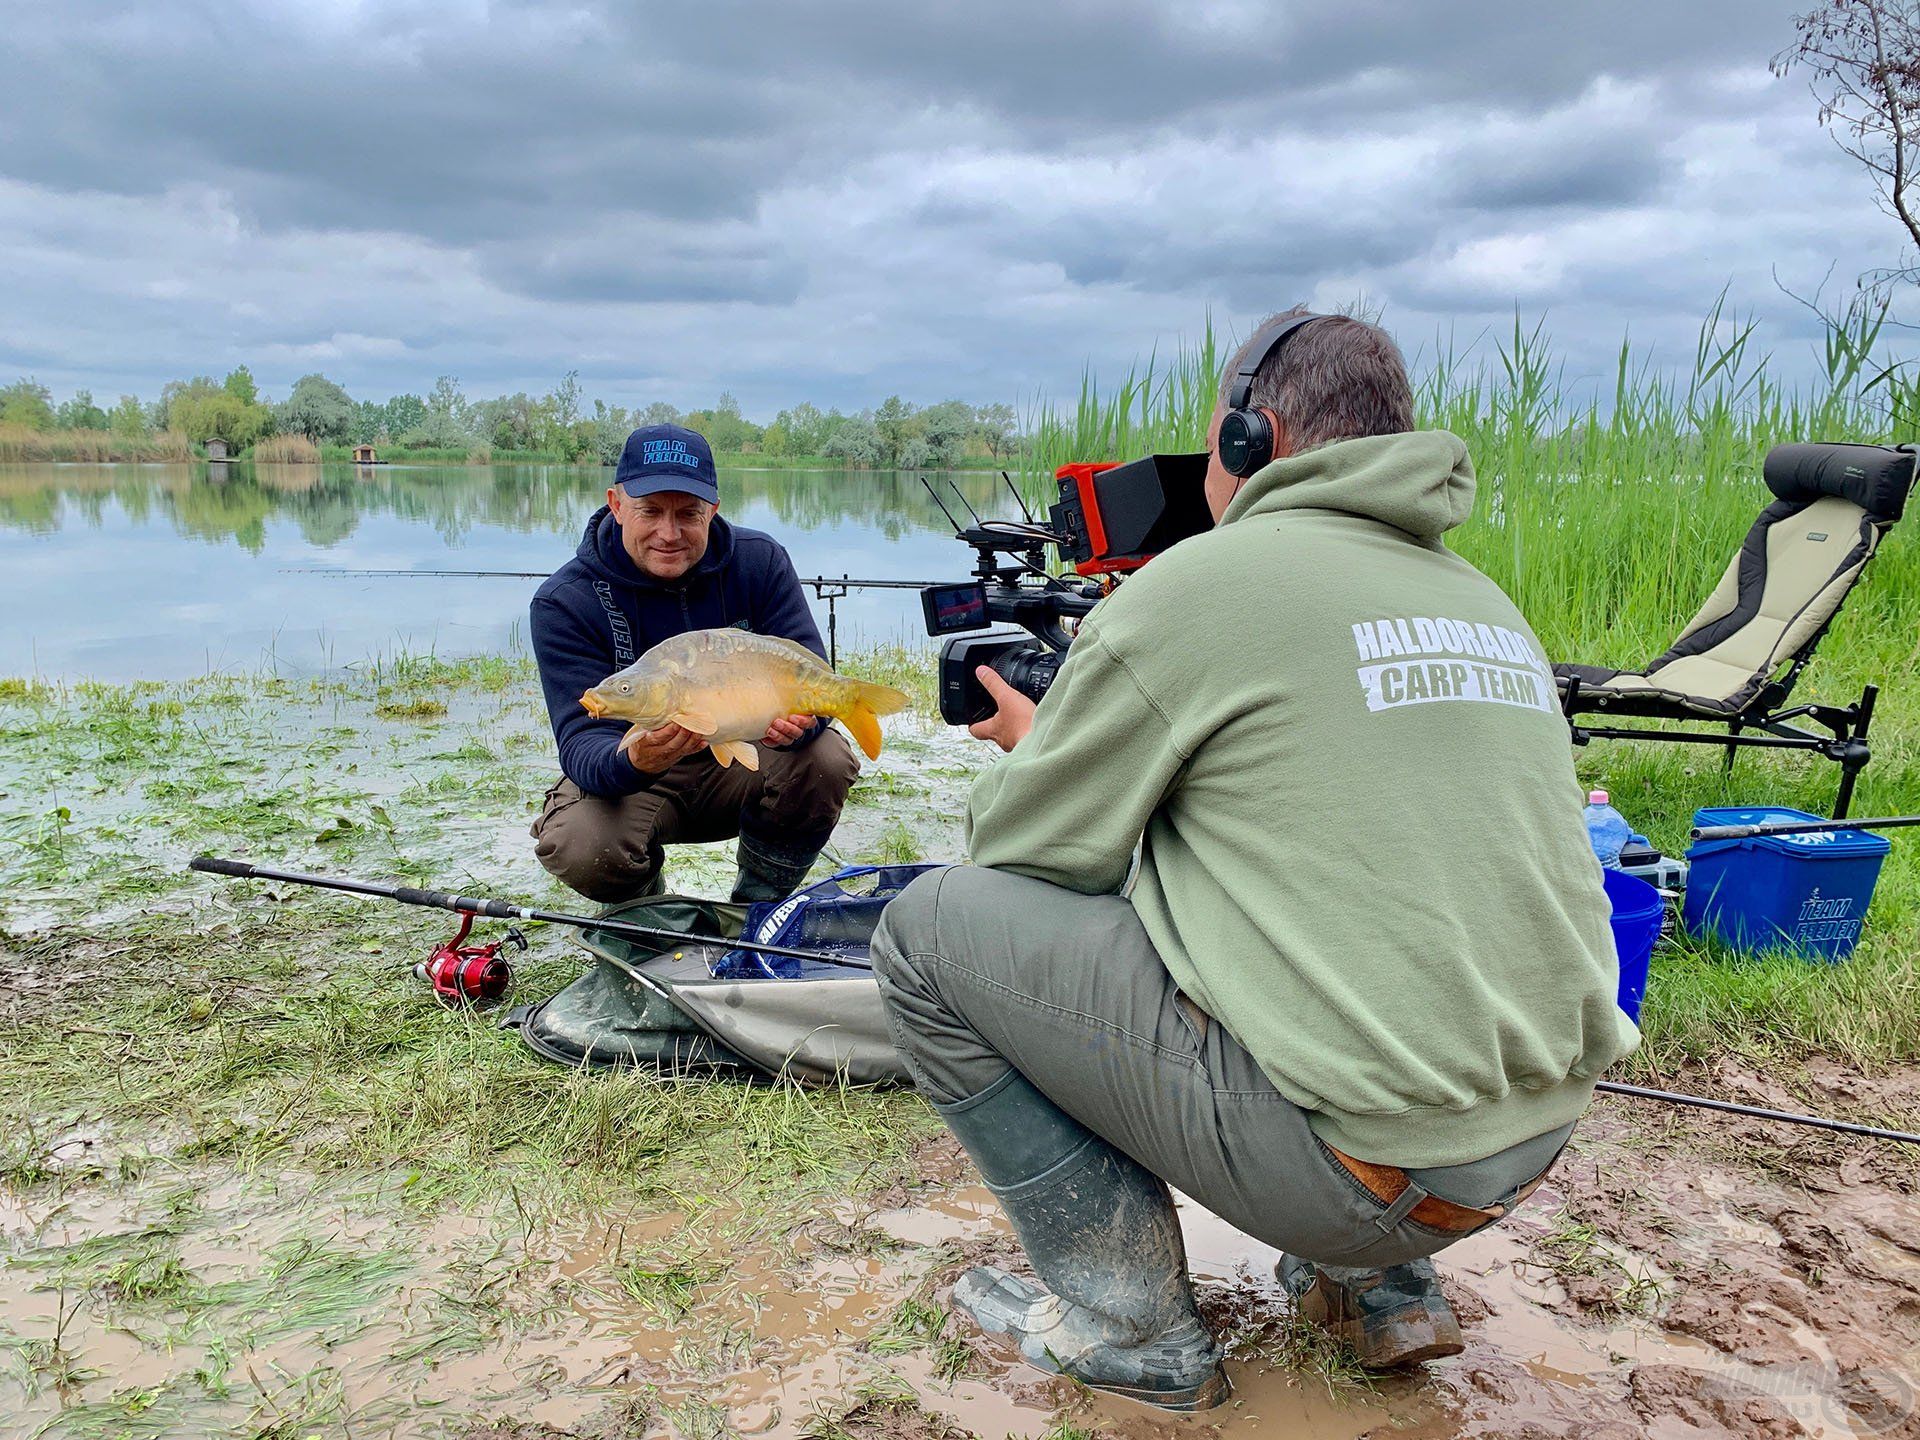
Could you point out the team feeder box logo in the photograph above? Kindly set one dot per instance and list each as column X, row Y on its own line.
column 1422, row 660
column 1822, row 920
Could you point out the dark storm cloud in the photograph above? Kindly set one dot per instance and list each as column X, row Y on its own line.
column 842, row 199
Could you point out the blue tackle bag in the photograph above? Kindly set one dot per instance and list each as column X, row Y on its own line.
column 837, row 916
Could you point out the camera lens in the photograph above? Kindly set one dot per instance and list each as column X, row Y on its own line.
column 1028, row 669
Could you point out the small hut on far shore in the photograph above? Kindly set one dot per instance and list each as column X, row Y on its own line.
column 363, row 455
column 218, row 449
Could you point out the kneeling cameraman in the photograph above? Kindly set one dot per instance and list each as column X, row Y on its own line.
column 1363, row 983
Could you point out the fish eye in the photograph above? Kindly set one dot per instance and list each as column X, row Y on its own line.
column 626, row 687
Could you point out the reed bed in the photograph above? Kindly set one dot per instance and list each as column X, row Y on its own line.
column 285, row 450
column 21, row 444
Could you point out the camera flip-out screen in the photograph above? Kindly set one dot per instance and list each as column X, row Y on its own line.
column 953, row 608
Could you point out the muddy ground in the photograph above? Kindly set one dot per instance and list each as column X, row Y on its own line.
column 302, row 1252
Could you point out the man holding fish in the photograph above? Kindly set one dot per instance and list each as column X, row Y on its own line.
column 658, row 562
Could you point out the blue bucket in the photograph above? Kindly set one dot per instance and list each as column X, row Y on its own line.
column 1637, row 912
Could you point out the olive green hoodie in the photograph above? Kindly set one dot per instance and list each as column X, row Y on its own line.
column 1363, row 848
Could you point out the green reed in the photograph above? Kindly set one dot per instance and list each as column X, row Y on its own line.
column 1606, row 510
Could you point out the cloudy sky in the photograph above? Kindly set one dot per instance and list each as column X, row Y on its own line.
column 835, row 201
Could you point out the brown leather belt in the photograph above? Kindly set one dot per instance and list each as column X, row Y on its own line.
column 1389, row 1185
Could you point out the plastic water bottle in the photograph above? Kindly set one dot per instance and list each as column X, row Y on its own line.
column 1607, row 829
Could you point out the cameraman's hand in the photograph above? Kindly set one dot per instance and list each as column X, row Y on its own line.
column 1009, row 724
column 654, row 752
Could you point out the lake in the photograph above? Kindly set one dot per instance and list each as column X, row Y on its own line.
column 119, row 572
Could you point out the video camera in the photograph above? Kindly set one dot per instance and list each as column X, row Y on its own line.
column 1111, row 519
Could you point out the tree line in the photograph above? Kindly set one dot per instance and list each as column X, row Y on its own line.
column 560, row 423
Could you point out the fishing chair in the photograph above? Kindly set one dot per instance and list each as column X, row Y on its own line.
column 1736, row 661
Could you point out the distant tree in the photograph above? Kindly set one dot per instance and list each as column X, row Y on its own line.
column 239, row 384
column 658, row 413
column 856, row 441
column 174, row 392
column 447, row 422
column 611, row 426
column 993, row 426
column 316, row 408
column 80, row 413
column 944, row 429
column 511, row 422
column 1863, row 57
column 724, row 426
column 401, row 414
column 805, row 428
column 220, row 415
column 128, row 418
column 775, row 441
column 27, row 402
column 894, row 423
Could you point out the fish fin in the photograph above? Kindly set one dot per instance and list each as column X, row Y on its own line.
column 698, row 721
column 880, row 699
column 865, row 728
column 728, row 751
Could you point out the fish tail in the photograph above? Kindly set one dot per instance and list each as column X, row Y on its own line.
column 880, row 699
column 862, row 704
column 865, row 726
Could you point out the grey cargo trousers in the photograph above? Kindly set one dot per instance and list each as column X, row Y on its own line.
column 611, row 850
column 982, row 970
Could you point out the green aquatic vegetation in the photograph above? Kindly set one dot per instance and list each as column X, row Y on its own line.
column 896, row 845
column 14, row 691
column 419, row 709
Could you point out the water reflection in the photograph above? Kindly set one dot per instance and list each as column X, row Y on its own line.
column 125, row 571
column 221, row 501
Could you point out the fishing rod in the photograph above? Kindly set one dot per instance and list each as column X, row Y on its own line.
column 816, row 581
column 1757, row 1112
column 1799, row 827
column 471, row 905
column 832, row 589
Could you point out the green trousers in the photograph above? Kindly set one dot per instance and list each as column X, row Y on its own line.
column 983, row 971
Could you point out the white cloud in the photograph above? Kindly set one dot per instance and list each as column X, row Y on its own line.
column 859, row 200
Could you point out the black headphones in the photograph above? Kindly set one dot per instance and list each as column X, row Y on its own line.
column 1247, row 435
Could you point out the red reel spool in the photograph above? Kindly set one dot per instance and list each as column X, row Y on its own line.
column 463, row 974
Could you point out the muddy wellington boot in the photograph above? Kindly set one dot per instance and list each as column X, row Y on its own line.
column 1389, row 1318
column 1117, row 1311
column 768, row 871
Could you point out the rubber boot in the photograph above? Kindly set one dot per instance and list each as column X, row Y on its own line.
column 1117, row 1313
column 1388, row 1318
column 768, row 871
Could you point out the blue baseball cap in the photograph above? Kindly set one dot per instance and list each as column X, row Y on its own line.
column 668, row 457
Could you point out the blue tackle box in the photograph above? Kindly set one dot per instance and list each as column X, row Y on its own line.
column 1801, row 893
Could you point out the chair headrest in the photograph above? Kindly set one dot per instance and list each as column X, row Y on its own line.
column 1874, row 477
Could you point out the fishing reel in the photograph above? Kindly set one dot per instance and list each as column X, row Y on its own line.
column 463, row 974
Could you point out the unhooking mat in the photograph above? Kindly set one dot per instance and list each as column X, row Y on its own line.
column 666, row 1009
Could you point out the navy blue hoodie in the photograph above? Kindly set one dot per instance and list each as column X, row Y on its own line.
column 600, row 612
